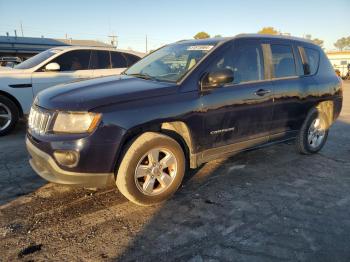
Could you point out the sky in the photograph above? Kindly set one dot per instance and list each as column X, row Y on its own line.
column 165, row 21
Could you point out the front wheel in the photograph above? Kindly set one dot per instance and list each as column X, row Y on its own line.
column 313, row 133
column 151, row 170
column 9, row 115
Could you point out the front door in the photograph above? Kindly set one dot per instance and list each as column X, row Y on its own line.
column 240, row 111
column 74, row 65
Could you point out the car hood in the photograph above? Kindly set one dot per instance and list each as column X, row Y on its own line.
column 89, row 94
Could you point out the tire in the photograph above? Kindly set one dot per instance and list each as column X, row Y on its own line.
column 136, row 172
column 304, row 144
column 8, row 108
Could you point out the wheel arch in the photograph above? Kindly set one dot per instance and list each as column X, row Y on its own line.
column 327, row 107
column 14, row 100
column 177, row 130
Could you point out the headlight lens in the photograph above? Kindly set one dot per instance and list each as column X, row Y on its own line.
column 76, row 122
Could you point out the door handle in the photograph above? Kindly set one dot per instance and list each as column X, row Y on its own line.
column 262, row 92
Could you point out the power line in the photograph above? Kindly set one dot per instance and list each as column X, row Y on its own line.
column 114, row 40
column 146, row 45
column 21, row 28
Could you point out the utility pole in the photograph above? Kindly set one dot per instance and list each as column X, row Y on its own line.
column 146, row 45
column 114, row 40
column 21, row 29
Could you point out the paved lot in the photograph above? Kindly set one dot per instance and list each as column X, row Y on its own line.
column 266, row 205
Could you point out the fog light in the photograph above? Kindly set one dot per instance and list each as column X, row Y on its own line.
column 67, row 158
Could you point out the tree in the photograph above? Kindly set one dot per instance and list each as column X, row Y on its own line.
column 268, row 31
column 342, row 43
column 318, row 42
column 201, row 35
column 217, row 35
column 315, row 40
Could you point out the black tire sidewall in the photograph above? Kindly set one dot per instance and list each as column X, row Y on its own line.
column 314, row 114
column 14, row 112
column 162, row 142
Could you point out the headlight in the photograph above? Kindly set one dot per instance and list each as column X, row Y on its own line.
column 76, row 122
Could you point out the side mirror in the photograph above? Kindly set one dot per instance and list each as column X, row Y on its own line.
column 216, row 79
column 52, row 67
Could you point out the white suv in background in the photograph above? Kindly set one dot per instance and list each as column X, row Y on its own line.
column 58, row 65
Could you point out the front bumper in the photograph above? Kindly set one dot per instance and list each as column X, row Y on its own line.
column 45, row 166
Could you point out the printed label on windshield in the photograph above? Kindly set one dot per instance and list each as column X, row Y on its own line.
column 200, row 47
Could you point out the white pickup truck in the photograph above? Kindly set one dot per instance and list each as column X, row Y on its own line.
column 19, row 86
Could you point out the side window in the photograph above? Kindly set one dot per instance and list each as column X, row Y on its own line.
column 73, row 60
column 100, row 60
column 313, row 58
column 118, row 60
column 245, row 61
column 283, row 61
column 132, row 59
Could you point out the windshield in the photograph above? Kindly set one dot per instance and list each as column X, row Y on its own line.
column 37, row 59
column 169, row 63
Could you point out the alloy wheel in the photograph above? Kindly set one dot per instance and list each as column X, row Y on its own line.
column 5, row 116
column 155, row 171
column 316, row 133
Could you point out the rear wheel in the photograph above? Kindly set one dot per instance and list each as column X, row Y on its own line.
column 314, row 132
column 151, row 170
column 9, row 115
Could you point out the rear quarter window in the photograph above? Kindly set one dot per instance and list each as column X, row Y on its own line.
column 313, row 59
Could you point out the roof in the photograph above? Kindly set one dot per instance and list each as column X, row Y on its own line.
column 208, row 41
column 98, row 48
column 287, row 37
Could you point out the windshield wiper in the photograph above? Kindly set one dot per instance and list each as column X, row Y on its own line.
column 143, row 76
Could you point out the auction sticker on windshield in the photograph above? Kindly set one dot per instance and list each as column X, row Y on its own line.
column 200, row 47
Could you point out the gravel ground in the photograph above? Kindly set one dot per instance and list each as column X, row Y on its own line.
column 271, row 204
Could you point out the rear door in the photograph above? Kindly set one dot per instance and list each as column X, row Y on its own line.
column 119, row 61
column 74, row 65
column 290, row 89
column 240, row 111
column 101, row 63
column 131, row 59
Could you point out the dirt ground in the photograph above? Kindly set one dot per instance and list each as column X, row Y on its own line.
column 271, row 204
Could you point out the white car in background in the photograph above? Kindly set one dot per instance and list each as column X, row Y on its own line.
column 19, row 86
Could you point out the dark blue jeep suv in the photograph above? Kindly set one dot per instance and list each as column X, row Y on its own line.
column 184, row 104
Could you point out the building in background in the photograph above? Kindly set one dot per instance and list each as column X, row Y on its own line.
column 25, row 47
column 340, row 60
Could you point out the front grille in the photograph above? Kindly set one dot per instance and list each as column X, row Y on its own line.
column 39, row 120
